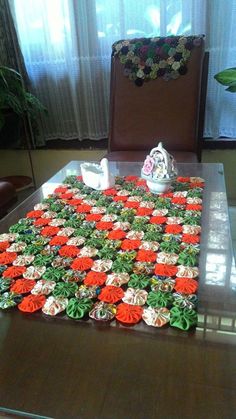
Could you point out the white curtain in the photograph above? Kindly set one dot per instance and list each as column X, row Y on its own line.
column 67, row 46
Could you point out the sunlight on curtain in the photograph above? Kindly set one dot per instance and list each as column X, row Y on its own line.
column 67, row 46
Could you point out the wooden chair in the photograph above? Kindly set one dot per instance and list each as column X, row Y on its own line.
column 171, row 111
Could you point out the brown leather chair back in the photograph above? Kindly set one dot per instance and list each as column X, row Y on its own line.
column 158, row 110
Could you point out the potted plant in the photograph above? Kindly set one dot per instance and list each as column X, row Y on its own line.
column 15, row 104
column 227, row 77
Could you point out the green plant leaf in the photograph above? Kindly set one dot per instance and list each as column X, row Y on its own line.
column 232, row 88
column 226, row 77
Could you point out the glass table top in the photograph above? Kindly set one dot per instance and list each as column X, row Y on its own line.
column 58, row 368
column 217, row 289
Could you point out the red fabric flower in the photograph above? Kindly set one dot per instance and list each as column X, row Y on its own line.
column 183, row 179
column 166, row 195
column 130, row 244
column 193, row 185
column 116, row 235
column 95, row 278
column 186, row 285
column 82, row 264
column 157, row 220
column 165, row 270
column 14, row 271
column 93, row 217
column 4, row 246
column 42, row 221
column 110, row 192
column 131, row 204
column 173, row 229
column 83, row 208
column 193, row 207
column 22, row 286
column 80, row 178
column 146, row 256
column 34, row 214
column 104, row 225
column 6, row 258
column 58, row 240
column 67, row 195
column 178, row 200
column 127, row 313
column 120, row 198
column 142, row 211
column 111, row 294
column 49, row 231
column 131, row 178
column 74, row 201
column 32, row 303
column 69, row 251
column 141, row 182
column 190, row 238
column 60, row 189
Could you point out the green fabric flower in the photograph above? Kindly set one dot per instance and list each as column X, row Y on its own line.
column 191, row 220
column 77, row 309
column 93, row 242
column 138, row 281
column 54, row 274
column 5, row 284
column 26, row 238
column 107, row 253
column 65, row 289
column 152, row 236
column 32, row 249
column 183, row 318
column 159, row 299
column 170, row 247
column 42, row 260
column 187, row 259
column 120, row 266
column 9, row 299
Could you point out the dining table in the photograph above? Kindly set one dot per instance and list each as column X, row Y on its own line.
column 56, row 367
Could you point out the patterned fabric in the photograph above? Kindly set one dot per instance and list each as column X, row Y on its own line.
column 123, row 254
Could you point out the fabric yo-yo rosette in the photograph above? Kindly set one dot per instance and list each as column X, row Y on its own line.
column 103, row 311
column 5, row 284
column 85, row 291
column 34, row 272
column 135, row 296
column 23, row 260
column 183, row 318
column 77, row 309
column 9, row 299
column 7, row 258
column 167, row 258
column 22, row 286
column 187, row 271
column 149, row 245
column 156, row 317
column 111, row 294
column 102, row 265
column 138, row 281
column 185, row 300
column 159, row 299
column 54, row 305
column 88, row 251
column 186, row 285
column 95, row 278
column 129, row 314
column 164, row 285
column 82, row 264
column 8, row 237
column 65, row 289
column 32, row 303
column 117, row 279
column 73, row 276
column 43, row 287
column 143, row 268
column 17, row 247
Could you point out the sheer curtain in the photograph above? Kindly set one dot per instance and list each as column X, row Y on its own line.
column 67, row 46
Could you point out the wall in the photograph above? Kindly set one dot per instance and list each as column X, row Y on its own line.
column 47, row 162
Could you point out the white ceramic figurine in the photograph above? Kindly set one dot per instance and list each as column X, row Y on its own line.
column 97, row 176
column 159, row 169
